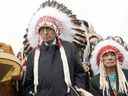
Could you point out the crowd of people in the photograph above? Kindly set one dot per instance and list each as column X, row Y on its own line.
column 64, row 56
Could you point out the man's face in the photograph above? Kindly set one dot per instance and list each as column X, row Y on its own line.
column 109, row 59
column 47, row 34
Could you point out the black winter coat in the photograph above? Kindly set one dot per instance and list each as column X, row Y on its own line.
column 51, row 75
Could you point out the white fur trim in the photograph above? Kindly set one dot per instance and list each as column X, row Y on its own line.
column 83, row 92
column 65, row 68
column 36, row 63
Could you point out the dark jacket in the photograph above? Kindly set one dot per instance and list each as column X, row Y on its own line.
column 51, row 75
column 95, row 85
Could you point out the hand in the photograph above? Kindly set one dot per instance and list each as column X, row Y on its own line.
column 83, row 92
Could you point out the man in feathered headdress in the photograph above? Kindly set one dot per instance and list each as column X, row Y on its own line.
column 53, row 66
column 107, row 61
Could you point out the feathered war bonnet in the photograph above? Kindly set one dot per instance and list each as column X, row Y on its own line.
column 57, row 16
column 105, row 46
column 50, row 14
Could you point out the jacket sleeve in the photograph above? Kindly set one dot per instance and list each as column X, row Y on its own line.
column 80, row 78
column 94, row 86
column 28, row 82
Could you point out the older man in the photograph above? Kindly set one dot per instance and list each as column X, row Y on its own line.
column 53, row 67
column 106, row 61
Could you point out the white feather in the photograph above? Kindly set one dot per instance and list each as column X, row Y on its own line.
column 53, row 12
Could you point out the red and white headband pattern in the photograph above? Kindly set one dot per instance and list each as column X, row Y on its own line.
column 49, row 21
column 109, row 48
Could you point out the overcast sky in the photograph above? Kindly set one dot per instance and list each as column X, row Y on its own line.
column 109, row 17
